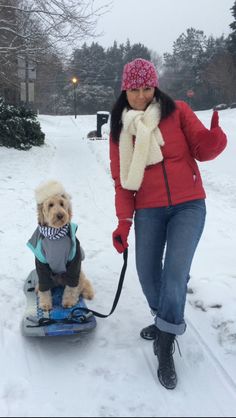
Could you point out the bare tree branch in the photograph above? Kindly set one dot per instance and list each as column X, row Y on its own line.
column 64, row 21
column 33, row 27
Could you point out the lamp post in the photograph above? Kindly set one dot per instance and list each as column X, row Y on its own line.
column 190, row 94
column 75, row 83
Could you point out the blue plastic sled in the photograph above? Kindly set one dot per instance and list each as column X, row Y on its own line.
column 59, row 321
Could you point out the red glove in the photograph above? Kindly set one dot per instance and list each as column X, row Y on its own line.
column 215, row 120
column 120, row 236
column 210, row 142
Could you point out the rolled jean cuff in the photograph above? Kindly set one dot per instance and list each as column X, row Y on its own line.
column 154, row 312
column 170, row 328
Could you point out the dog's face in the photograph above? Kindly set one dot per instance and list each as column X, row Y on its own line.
column 55, row 211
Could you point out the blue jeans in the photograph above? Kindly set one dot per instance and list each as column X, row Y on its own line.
column 166, row 240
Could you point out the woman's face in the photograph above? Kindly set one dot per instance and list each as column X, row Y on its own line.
column 139, row 99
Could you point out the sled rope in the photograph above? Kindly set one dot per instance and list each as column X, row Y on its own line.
column 71, row 319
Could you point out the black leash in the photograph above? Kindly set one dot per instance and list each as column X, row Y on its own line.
column 118, row 292
column 74, row 316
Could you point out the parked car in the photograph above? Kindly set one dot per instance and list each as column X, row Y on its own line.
column 233, row 105
column 221, row 106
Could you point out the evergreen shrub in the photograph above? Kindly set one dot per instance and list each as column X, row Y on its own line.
column 19, row 127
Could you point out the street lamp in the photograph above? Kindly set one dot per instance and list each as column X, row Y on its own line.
column 190, row 94
column 75, row 83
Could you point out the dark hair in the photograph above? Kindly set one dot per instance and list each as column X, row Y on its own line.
column 167, row 107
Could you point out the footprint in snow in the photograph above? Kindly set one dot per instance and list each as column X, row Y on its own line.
column 226, row 334
column 199, row 304
column 105, row 373
column 15, row 389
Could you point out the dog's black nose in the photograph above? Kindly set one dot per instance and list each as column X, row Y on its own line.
column 59, row 216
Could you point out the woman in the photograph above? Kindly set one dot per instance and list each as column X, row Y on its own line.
column 153, row 147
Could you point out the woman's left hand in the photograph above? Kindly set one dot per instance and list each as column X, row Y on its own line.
column 215, row 120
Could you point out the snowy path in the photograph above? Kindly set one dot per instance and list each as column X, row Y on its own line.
column 110, row 372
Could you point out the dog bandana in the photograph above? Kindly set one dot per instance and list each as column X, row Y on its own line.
column 54, row 233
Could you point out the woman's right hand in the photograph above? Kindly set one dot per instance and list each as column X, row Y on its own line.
column 120, row 235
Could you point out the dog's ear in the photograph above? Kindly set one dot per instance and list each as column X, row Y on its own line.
column 69, row 207
column 66, row 196
column 68, row 199
column 70, row 211
column 40, row 214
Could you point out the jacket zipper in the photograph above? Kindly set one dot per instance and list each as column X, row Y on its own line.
column 166, row 183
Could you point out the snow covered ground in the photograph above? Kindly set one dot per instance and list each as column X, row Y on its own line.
column 112, row 371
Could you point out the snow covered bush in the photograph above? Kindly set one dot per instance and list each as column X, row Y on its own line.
column 19, row 127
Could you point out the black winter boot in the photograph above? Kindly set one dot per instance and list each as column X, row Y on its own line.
column 150, row 332
column 164, row 348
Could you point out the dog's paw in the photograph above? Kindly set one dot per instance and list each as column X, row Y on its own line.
column 70, row 297
column 46, row 307
column 68, row 303
column 87, row 291
column 45, row 300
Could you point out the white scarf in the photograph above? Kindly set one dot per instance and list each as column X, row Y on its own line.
column 135, row 157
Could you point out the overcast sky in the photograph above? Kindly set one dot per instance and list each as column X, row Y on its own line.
column 158, row 23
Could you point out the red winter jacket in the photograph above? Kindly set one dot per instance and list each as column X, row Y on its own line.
column 177, row 178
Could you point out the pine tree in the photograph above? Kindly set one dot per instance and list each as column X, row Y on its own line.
column 19, row 128
column 181, row 67
column 49, row 85
column 114, row 66
column 232, row 36
column 135, row 51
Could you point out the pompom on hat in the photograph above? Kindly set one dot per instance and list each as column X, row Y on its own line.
column 139, row 73
column 48, row 189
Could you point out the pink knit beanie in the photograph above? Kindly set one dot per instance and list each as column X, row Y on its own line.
column 139, row 73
